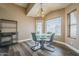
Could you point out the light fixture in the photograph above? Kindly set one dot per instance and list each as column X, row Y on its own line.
column 42, row 11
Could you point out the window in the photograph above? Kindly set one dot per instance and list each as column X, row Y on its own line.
column 38, row 26
column 54, row 25
column 72, row 24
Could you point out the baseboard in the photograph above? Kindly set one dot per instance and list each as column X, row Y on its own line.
column 24, row 40
column 69, row 46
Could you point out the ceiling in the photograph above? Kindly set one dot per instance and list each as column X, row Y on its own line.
column 47, row 7
column 22, row 4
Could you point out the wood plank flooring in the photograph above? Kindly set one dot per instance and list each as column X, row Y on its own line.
column 23, row 49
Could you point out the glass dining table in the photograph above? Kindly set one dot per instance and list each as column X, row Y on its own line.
column 44, row 38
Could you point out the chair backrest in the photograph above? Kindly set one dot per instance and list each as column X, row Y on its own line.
column 34, row 36
column 49, row 32
column 52, row 37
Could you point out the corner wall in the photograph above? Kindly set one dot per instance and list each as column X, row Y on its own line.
column 63, row 14
column 25, row 23
column 72, row 42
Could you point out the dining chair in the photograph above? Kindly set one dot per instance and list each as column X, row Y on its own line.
column 49, row 43
column 37, row 42
column 49, row 32
column 51, row 38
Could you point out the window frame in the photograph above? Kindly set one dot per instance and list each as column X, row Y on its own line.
column 69, row 24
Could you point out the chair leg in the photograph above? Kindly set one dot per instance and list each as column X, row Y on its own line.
column 34, row 48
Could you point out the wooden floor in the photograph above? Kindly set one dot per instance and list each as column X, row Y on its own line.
column 23, row 49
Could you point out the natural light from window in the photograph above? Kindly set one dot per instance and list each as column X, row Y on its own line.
column 73, row 24
column 38, row 26
column 54, row 25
